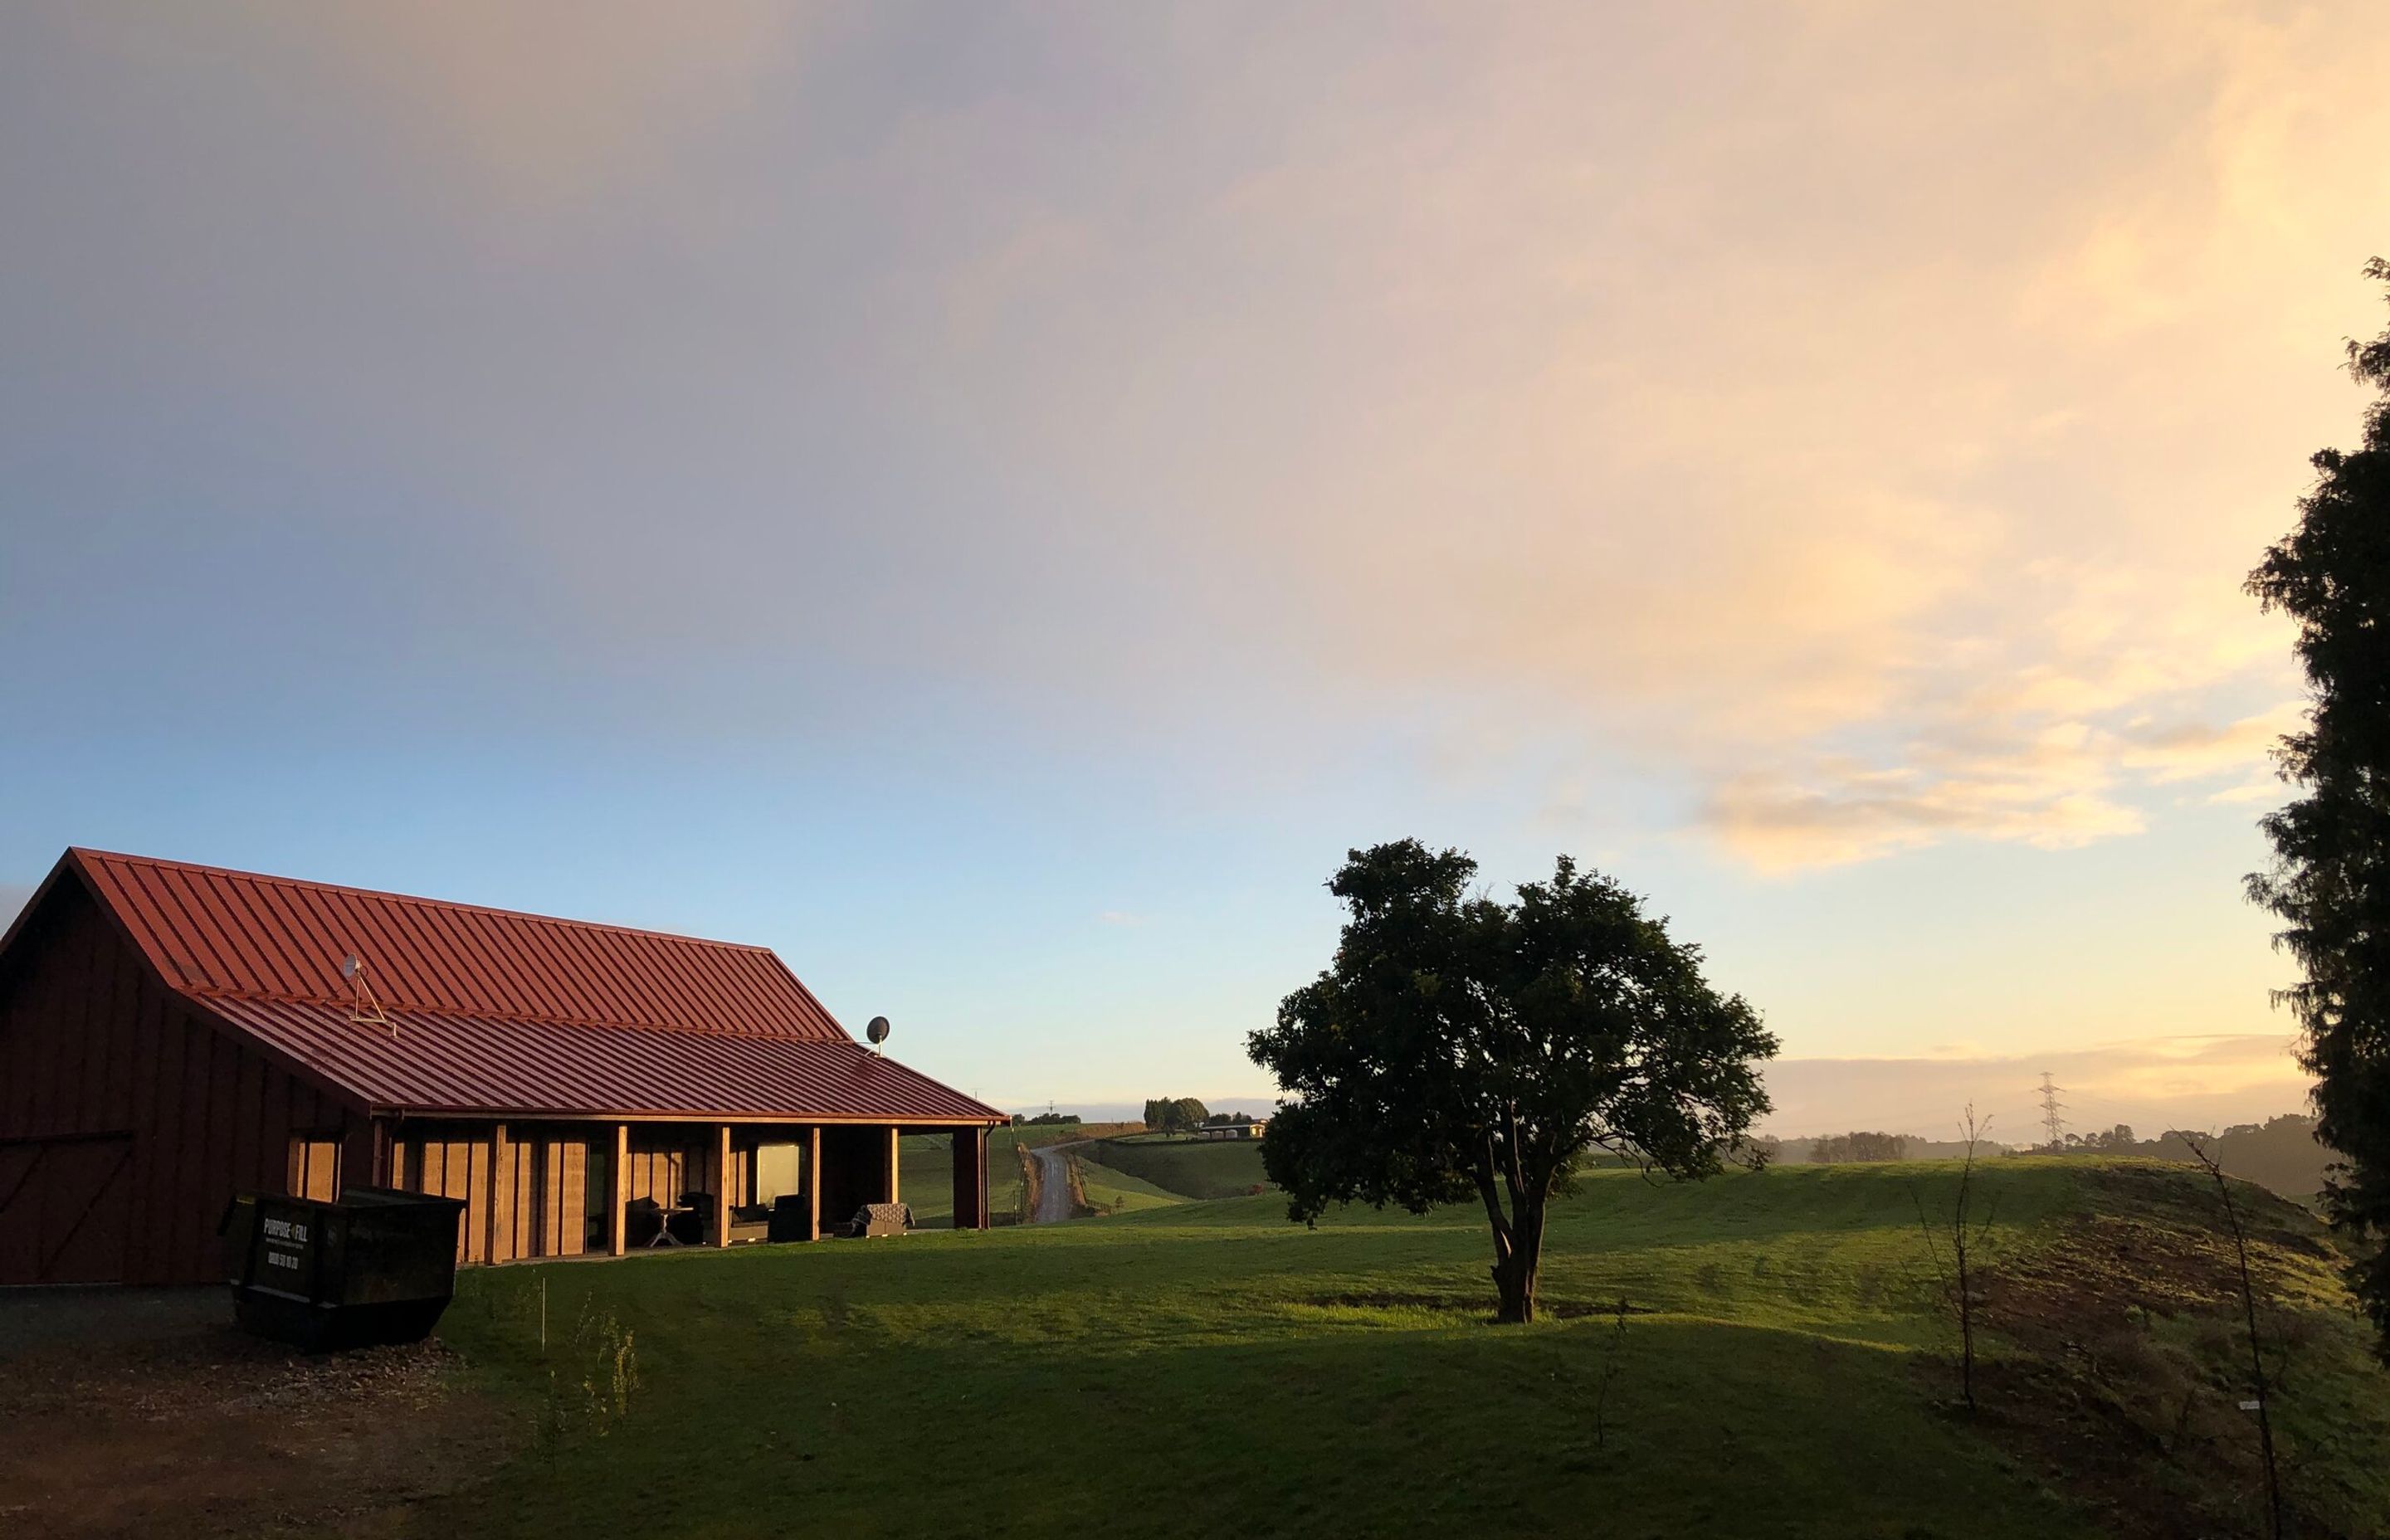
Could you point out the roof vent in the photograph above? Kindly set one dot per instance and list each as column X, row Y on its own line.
column 364, row 1009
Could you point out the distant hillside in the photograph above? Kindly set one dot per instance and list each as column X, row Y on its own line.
column 2279, row 1154
column 1817, row 1148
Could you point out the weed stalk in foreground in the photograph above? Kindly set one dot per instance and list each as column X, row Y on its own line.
column 2202, row 1150
column 1966, row 1246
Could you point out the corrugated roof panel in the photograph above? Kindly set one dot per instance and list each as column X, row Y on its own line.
column 505, row 1013
column 437, row 1063
column 235, row 934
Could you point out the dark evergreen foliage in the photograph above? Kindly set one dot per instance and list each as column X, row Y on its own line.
column 2330, row 883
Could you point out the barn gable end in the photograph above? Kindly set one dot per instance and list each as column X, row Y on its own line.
column 129, row 1115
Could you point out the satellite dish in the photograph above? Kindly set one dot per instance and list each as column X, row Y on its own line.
column 349, row 965
column 876, row 1031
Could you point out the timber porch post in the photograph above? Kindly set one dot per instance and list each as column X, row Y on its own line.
column 722, row 1184
column 813, row 1183
column 890, row 1187
column 498, row 1242
column 617, row 1229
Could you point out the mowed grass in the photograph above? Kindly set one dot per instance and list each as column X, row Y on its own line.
column 1208, row 1367
column 1191, row 1168
column 1110, row 1191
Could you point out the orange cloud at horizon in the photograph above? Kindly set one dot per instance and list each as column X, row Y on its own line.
column 2151, row 1084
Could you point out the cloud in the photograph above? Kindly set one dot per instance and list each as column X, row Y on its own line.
column 2194, row 749
column 2153, row 1084
column 1780, row 828
column 1120, row 917
column 1853, row 421
column 2019, row 774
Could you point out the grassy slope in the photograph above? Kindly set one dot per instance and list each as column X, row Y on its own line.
column 1113, row 1191
column 1193, row 1168
column 1207, row 1364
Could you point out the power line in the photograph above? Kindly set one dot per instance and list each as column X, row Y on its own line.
column 2050, row 1107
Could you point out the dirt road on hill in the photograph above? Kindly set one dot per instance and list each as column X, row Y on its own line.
column 1053, row 1183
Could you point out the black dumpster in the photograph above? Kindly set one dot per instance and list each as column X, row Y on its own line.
column 376, row 1266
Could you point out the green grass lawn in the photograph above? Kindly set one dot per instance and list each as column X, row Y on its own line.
column 1192, row 1168
column 1112, row 1191
column 1206, row 1366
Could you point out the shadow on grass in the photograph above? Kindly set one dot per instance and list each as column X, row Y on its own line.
column 1404, row 1424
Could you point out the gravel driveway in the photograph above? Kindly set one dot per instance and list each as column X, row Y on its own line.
column 143, row 1412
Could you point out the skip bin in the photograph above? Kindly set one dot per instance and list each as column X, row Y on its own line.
column 376, row 1266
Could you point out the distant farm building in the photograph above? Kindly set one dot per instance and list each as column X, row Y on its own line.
column 170, row 1034
column 1253, row 1130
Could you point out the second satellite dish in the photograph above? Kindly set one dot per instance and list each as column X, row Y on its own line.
column 876, row 1031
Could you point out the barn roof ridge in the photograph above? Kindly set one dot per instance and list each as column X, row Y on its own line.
column 216, row 932
column 390, row 896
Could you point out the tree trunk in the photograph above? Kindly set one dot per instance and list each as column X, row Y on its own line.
column 1514, row 1275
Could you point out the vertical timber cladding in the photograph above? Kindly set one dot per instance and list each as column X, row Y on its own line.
column 526, row 1187
column 129, row 1116
column 560, row 1227
column 450, row 1161
column 315, row 1167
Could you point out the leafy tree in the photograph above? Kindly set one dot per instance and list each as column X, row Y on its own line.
column 1461, row 1047
column 1856, row 1146
column 2330, row 882
column 1176, row 1115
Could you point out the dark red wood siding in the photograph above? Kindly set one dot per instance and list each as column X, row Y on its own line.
column 128, row 1119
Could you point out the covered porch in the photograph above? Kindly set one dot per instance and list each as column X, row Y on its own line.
column 539, row 1189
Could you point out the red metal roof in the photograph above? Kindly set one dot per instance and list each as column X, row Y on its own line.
column 428, row 1063
column 495, row 1012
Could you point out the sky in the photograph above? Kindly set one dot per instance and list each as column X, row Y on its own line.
column 992, row 502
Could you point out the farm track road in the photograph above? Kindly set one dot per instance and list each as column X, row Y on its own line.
column 1053, row 1183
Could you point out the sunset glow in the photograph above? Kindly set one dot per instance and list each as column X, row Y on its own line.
column 992, row 504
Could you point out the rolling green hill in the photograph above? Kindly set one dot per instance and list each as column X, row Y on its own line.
column 1781, row 1371
column 1192, row 1168
column 1112, row 1191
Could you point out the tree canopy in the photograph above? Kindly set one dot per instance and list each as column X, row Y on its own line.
column 2330, row 883
column 1174, row 1115
column 1460, row 1047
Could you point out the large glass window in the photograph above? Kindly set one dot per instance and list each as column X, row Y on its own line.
column 779, row 1168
